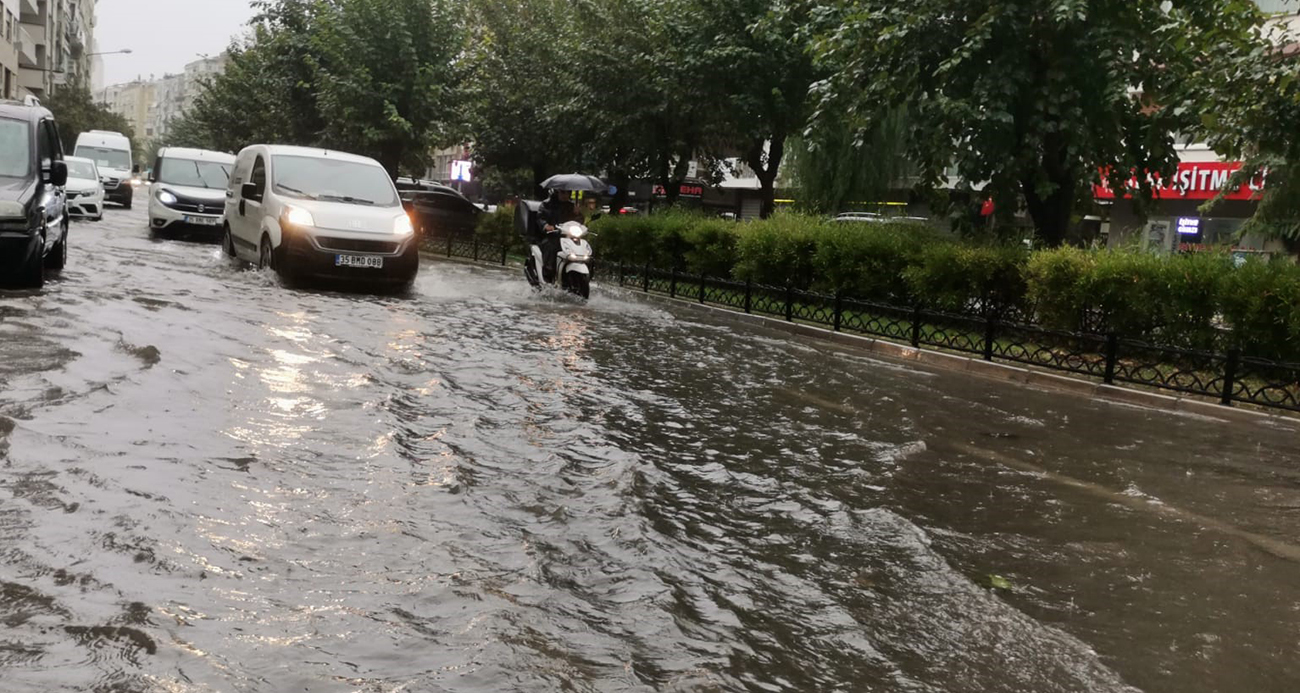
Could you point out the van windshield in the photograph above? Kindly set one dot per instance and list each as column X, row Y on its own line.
column 15, row 148
column 194, row 174
column 319, row 178
column 107, row 158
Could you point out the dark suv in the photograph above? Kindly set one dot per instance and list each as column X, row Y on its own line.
column 33, row 207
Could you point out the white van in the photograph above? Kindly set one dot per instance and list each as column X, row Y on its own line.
column 321, row 214
column 111, row 152
column 188, row 187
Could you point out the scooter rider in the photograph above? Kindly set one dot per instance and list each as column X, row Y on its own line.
column 558, row 208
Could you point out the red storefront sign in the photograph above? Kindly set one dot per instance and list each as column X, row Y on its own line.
column 1195, row 181
column 685, row 190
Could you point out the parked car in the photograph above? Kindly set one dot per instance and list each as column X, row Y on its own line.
column 320, row 214
column 33, row 214
column 84, row 189
column 438, row 209
column 188, row 188
column 111, row 152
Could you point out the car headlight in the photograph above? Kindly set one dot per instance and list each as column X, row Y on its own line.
column 297, row 216
column 166, row 198
column 402, row 226
column 12, row 210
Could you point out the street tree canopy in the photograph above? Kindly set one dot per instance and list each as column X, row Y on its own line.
column 375, row 77
column 1034, row 97
column 76, row 112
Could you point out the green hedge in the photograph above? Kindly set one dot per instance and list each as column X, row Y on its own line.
column 1183, row 301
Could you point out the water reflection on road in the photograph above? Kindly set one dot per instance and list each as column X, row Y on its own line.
column 211, row 482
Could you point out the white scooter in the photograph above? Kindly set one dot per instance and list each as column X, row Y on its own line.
column 570, row 269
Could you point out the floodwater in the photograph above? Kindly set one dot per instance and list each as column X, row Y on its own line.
column 211, row 482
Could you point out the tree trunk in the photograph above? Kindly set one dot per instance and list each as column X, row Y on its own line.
column 766, row 169
column 1051, row 214
column 390, row 156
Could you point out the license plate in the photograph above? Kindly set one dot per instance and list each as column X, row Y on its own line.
column 202, row 221
column 358, row 261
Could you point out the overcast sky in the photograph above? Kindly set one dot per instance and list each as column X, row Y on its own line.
column 164, row 34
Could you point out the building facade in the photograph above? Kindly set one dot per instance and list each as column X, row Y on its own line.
column 44, row 44
column 153, row 105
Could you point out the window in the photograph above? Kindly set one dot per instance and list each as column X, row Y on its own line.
column 194, row 174
column 258, row 178
column 15, row 149
column 83, row 170
column 318, row 178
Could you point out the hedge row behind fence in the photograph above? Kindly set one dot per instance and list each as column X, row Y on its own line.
column 1186, row 301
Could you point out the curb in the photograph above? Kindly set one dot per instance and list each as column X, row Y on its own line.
column 1016, row 374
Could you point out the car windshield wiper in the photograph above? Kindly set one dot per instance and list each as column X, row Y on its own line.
column 347, row 198
column 297, row 191
column 199, row 174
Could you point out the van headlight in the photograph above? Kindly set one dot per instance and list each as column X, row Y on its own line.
column 402, row 226
column 12, row 210
column 297, row 216
column 166, row 198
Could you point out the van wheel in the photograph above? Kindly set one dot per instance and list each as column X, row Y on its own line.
column 266, row 255
column 228, row 243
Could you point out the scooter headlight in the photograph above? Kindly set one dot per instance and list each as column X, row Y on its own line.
column 575, row 231
column 575, row 257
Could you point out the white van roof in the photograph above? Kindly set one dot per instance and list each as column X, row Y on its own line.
column 195, row 155
column 314, row 152
column 101, row 138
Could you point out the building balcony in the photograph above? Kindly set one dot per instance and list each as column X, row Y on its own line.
column 29, row 12
column 27, row 55
column 32, row 80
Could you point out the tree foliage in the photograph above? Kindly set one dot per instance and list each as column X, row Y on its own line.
column 76, row 112
column 836, row 165
column 1251, row 112
column 375, row 77
column 1033, row 96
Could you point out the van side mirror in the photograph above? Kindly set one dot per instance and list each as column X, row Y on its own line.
column 153, row 176
column 135, row 170
column 249, row 191
column 58, row 173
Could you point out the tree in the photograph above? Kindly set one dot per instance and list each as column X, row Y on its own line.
column 1033, row 96
column 836, row 164
column 76, row 112
column 757, row 53
column 522, row 87
column 384, row 77
column 1251, row 112
column 375, row 77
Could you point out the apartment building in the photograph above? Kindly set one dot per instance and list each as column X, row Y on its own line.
column 44, row 44
column 136, row 101
column 153, row 105
column 9, row 43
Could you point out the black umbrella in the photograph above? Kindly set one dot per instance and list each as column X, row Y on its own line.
column 574, row 182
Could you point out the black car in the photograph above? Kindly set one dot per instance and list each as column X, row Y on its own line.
column 438, row 209
column 33, row 206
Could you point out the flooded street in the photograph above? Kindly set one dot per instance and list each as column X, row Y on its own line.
column 211, row 482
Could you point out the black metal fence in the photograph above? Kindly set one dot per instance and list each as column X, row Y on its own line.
column 1229, row 377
